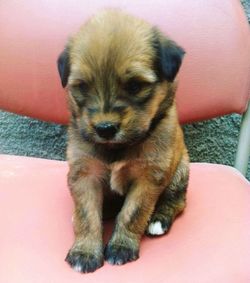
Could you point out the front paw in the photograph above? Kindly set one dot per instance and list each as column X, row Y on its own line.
column 117, row 255
column 84, row 262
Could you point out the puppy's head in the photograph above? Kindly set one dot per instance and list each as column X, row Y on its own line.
column 119, row 71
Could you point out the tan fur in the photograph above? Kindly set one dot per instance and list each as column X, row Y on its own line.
column 108, row 51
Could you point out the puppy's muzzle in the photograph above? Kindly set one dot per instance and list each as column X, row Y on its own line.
column 107, row 130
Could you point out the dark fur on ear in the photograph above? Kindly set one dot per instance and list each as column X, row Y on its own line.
column 64, row 66
column 169, row 56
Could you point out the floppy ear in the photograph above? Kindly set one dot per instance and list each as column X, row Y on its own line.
column 169, row 55
column 63, row 66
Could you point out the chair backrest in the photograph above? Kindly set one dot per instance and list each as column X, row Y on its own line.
column 214, row 78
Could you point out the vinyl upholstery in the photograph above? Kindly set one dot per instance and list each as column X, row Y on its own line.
column 208, row 243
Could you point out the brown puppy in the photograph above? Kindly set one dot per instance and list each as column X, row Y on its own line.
column 124, row 136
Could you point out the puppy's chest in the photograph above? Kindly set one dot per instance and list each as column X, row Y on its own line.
column 123, row 174
column 120, row 176
column 119, row 169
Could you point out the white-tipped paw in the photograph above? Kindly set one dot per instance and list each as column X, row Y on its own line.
column 155, row 229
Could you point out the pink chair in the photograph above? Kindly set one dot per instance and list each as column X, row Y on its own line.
column 210, row 242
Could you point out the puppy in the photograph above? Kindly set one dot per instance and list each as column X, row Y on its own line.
column 124, row 136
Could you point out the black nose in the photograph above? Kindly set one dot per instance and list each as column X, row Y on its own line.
column 106, row 130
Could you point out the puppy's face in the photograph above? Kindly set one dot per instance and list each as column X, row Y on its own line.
column 119, row 72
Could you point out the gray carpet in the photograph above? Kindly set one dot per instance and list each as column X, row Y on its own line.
column 212, row 141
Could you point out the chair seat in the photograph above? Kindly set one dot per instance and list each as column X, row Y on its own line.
column 209, row 242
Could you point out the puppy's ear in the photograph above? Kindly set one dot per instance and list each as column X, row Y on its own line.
column 64, row 66
column 169, row 56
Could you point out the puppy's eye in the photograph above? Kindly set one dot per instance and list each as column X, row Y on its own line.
column 83, row 86
column 133, row 86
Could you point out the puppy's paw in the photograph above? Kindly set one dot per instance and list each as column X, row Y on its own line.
column 156, row 228
column 158, row 225
column 84, row 262
column 118, row 255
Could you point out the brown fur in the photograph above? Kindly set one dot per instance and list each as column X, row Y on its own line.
column 146, row 161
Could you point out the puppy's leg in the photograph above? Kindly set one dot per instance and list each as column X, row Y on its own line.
column 131, row 223
column 86, row 254
column 171, row 202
